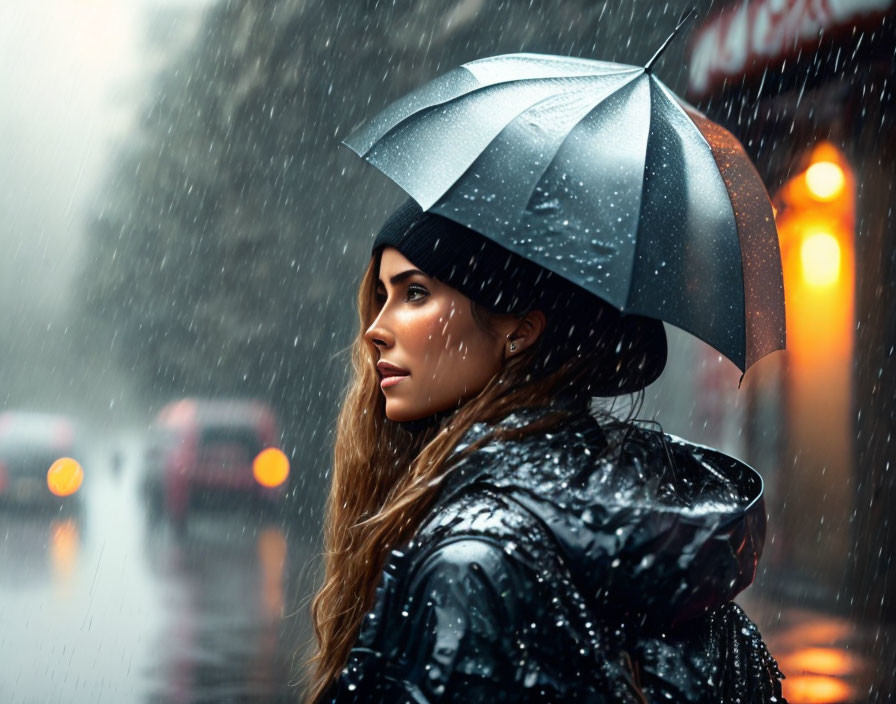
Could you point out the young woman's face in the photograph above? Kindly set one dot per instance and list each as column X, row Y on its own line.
column 426, row 329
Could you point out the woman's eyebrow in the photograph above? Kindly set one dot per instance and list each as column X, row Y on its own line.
column 398, row 278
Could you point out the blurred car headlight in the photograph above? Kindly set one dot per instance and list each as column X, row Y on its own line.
column 65, row 477
column 270, row 467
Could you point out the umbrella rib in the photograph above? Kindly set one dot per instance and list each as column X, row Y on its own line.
column 678, row 106
column 572, row 127
column 631, row 273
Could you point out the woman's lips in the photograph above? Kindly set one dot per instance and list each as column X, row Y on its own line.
column 392, row 380
column 391, row 374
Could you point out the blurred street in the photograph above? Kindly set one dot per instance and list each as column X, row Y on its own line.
column 105, row 603
column 99, row 605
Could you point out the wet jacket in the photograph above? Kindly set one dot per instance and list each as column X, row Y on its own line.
column 582, row 564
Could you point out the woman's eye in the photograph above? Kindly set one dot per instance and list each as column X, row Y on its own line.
column 412, row 290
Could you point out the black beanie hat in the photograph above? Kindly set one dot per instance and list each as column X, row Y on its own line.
column 504, row 282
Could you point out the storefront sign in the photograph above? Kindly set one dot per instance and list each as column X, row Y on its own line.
column 757, row 33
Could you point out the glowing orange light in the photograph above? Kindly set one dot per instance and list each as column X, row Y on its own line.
column 271, row 467
column 825, row 180
column 820, row 661
column 64, row 542
column 65, row 476
column 816, row 689
column 820, row 255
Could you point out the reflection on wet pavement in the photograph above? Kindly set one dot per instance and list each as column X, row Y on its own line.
column 272, row 556
column 109, row 604
column 65, row 542
column 821, row 656
column 105, row 603
column 222, row 638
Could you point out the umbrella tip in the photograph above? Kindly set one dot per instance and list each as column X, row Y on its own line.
column 686, row 15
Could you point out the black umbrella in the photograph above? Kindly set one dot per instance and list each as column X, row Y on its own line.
column 599, row 173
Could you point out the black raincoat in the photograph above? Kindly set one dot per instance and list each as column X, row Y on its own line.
column 583, row 564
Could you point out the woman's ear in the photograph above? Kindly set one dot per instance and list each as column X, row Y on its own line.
column 524, row 332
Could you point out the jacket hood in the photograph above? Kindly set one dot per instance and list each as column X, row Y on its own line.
column 651, row 527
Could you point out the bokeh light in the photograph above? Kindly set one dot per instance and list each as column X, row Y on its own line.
column 820, row 255
column 825, row 180
column 271, row 467
column 65, row 477
column 817, row 689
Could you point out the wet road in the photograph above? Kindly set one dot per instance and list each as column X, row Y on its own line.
column 103, row 604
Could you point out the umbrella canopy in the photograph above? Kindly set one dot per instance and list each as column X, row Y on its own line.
column 599, row 173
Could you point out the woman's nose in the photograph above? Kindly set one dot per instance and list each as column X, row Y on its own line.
column 378, row 335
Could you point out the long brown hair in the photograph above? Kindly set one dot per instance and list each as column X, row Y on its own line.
column 386, row 477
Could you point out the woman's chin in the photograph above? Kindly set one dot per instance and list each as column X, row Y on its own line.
column 402, row 416
column 400, row 413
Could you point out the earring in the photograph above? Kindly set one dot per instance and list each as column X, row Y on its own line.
column 512, row 343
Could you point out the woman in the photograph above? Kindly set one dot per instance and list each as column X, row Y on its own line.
column 487, row 539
